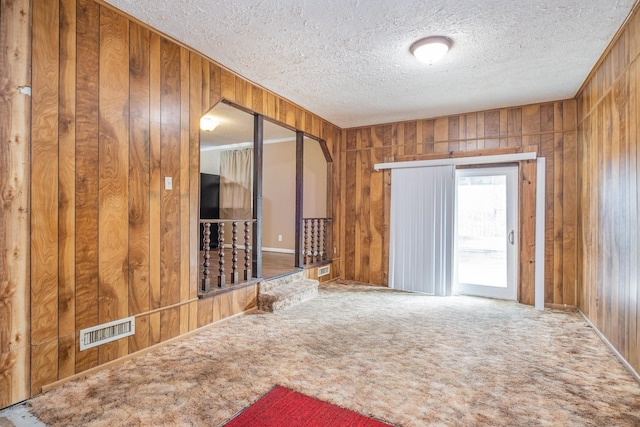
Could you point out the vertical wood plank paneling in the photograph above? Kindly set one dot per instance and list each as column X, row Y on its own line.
column 631, row 352
column 195, row 111
column 538, row 127
column 258, row 101
column 350, row 208
column 215, row 308
column 376, row 221
column 547, row 146
column 208, row 76
column 66, row 355
column 154, row 328
column 140, row 340
column 154, row 180
column 411, row 138
column 601, row 250
column 193, row 315
column 205, row 311
column 569, row 218
column 514, row 126
column 139, row 166
column 169, row 323
column 358, row 213
column 225, row 301
column 44, row 194
column 86, row 210
column 184, row 179
column 557, row 219
column 15, row 108
column 607, row 164
column 170, row 101
column 363, row 223
column 44, row 365
column 228, row 85
column 118, row 109
column 184, row 319
column 66, row 188
column 527, row 232
column 114, row 176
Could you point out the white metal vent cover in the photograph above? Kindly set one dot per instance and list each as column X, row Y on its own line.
column 324, row 270
column 107, row 332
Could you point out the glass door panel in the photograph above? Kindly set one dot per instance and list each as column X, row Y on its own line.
column 486, row 201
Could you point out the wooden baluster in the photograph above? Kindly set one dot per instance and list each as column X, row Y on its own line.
column 317, row 240
column 247, row 250
column 234, row 253
column 206, row 281
column 313, row 240
column 221, row 255
column 305, row 248
column 324, row 239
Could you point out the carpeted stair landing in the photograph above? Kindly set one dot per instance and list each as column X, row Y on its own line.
column 286, row 291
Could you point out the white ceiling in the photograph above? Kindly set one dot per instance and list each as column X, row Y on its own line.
column 349, row 62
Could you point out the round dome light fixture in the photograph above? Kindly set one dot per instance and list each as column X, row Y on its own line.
column 431, row 49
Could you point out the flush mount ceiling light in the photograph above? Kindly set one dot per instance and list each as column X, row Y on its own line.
column 431, row 49
column 208, row 123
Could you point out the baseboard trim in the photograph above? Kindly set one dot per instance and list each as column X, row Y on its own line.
column 51, row 386
column 611, row 347
column 560, row 306
column 278, row 250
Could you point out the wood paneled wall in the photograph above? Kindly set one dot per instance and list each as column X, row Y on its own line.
column 116, row 108
column 15, row 108
column 609, row 177
column 549, row 129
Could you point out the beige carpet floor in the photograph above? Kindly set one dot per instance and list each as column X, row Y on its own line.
column 408, row 359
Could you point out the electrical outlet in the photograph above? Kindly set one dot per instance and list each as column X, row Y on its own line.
column 279, row 237
column 168, row 183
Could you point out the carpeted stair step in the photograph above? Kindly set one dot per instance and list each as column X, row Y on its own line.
column 286, row 295
column 267, row 285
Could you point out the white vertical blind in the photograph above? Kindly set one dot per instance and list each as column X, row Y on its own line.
column 421, row 235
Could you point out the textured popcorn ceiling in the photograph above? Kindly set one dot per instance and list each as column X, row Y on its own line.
column 349, row 62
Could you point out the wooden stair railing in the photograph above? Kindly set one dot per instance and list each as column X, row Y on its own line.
column 234, row 276
column 316, row 240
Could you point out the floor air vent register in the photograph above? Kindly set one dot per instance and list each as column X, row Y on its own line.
column 107, row 332
column 324, row 270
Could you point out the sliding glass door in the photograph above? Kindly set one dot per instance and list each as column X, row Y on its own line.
column 486, row 234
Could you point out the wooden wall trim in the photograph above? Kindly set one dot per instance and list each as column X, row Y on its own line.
column 15, row 171
column 453, row 155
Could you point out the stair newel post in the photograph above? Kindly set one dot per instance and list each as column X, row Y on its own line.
column 306, row 241
column 234, row 252
column 221, row 255
column 247, row 250
column 206, row 281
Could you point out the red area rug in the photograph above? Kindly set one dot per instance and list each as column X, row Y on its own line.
column 282, row 407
